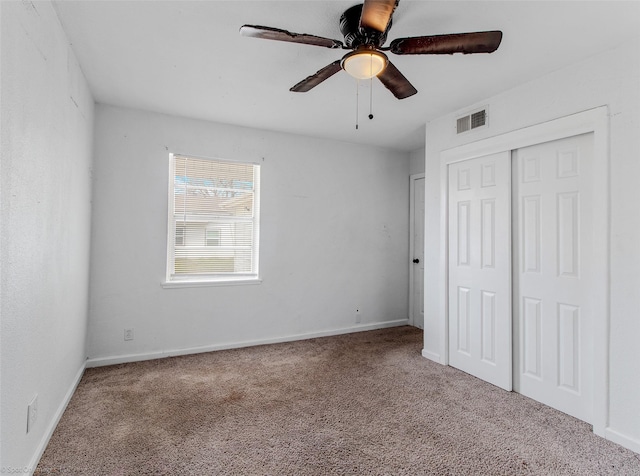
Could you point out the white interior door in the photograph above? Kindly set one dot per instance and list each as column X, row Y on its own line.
column 553, row 318
column 479, row 263
column 417, row 250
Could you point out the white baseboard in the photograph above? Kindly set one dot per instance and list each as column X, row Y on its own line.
column 121, row 359
column 622, row 440
column 431, row 355
column 55, row 420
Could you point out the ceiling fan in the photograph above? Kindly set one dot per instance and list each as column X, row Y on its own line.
column 365, row 28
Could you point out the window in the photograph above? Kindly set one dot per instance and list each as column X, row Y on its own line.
column 213, row 221
column 179, row 234
column 212, row 237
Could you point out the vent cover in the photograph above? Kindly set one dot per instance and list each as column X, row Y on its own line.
column 471, row 121
column 463, row 124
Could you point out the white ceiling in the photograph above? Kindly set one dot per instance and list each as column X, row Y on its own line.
column 187, row 58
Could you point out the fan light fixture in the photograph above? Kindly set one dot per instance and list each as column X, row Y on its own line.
column 364, row 64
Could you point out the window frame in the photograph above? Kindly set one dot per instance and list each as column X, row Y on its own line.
column 217, row 279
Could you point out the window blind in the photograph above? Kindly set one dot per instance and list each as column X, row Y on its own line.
column 214, row 219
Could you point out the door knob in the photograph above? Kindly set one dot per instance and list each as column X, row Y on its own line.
column 416, row 260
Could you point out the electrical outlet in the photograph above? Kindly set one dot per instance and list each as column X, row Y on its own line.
column 358, row 316
column 128, row 334
column 32, row 413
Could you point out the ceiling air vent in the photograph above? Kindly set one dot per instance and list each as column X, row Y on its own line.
column 471, row 121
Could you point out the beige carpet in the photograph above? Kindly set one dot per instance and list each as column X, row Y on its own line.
column 364, row 403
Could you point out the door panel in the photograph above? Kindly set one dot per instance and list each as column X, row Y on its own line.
column 417, row 269
column 552, row 315
column 479, row 265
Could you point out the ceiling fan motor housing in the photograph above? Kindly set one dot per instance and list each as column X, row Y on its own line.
column 355, row 36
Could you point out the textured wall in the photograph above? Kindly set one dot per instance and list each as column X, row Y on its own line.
column 334, row 237
column 47, row 124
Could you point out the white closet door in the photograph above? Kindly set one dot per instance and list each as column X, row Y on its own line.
column 479, row 265
column 552, row 315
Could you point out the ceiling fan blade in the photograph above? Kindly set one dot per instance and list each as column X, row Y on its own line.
column 395, row 82
column 268, row 33
column 376, row 14
column 315, row 79
column 467, row 43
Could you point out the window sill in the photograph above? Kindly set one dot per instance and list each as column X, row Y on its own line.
column 201, row 284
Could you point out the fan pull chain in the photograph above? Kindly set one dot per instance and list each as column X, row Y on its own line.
column 371, row 87
column 371, row 98
column 357, row 100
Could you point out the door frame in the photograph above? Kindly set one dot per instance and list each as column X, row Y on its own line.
column 594, row 121
column 412, row 186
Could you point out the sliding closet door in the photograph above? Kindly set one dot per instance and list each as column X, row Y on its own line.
column 553, row 236
column 479, row 264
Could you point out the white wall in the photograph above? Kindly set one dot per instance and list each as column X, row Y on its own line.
column 612, row 79
column 47, row 124
column 334, row 238
column 416, row 161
